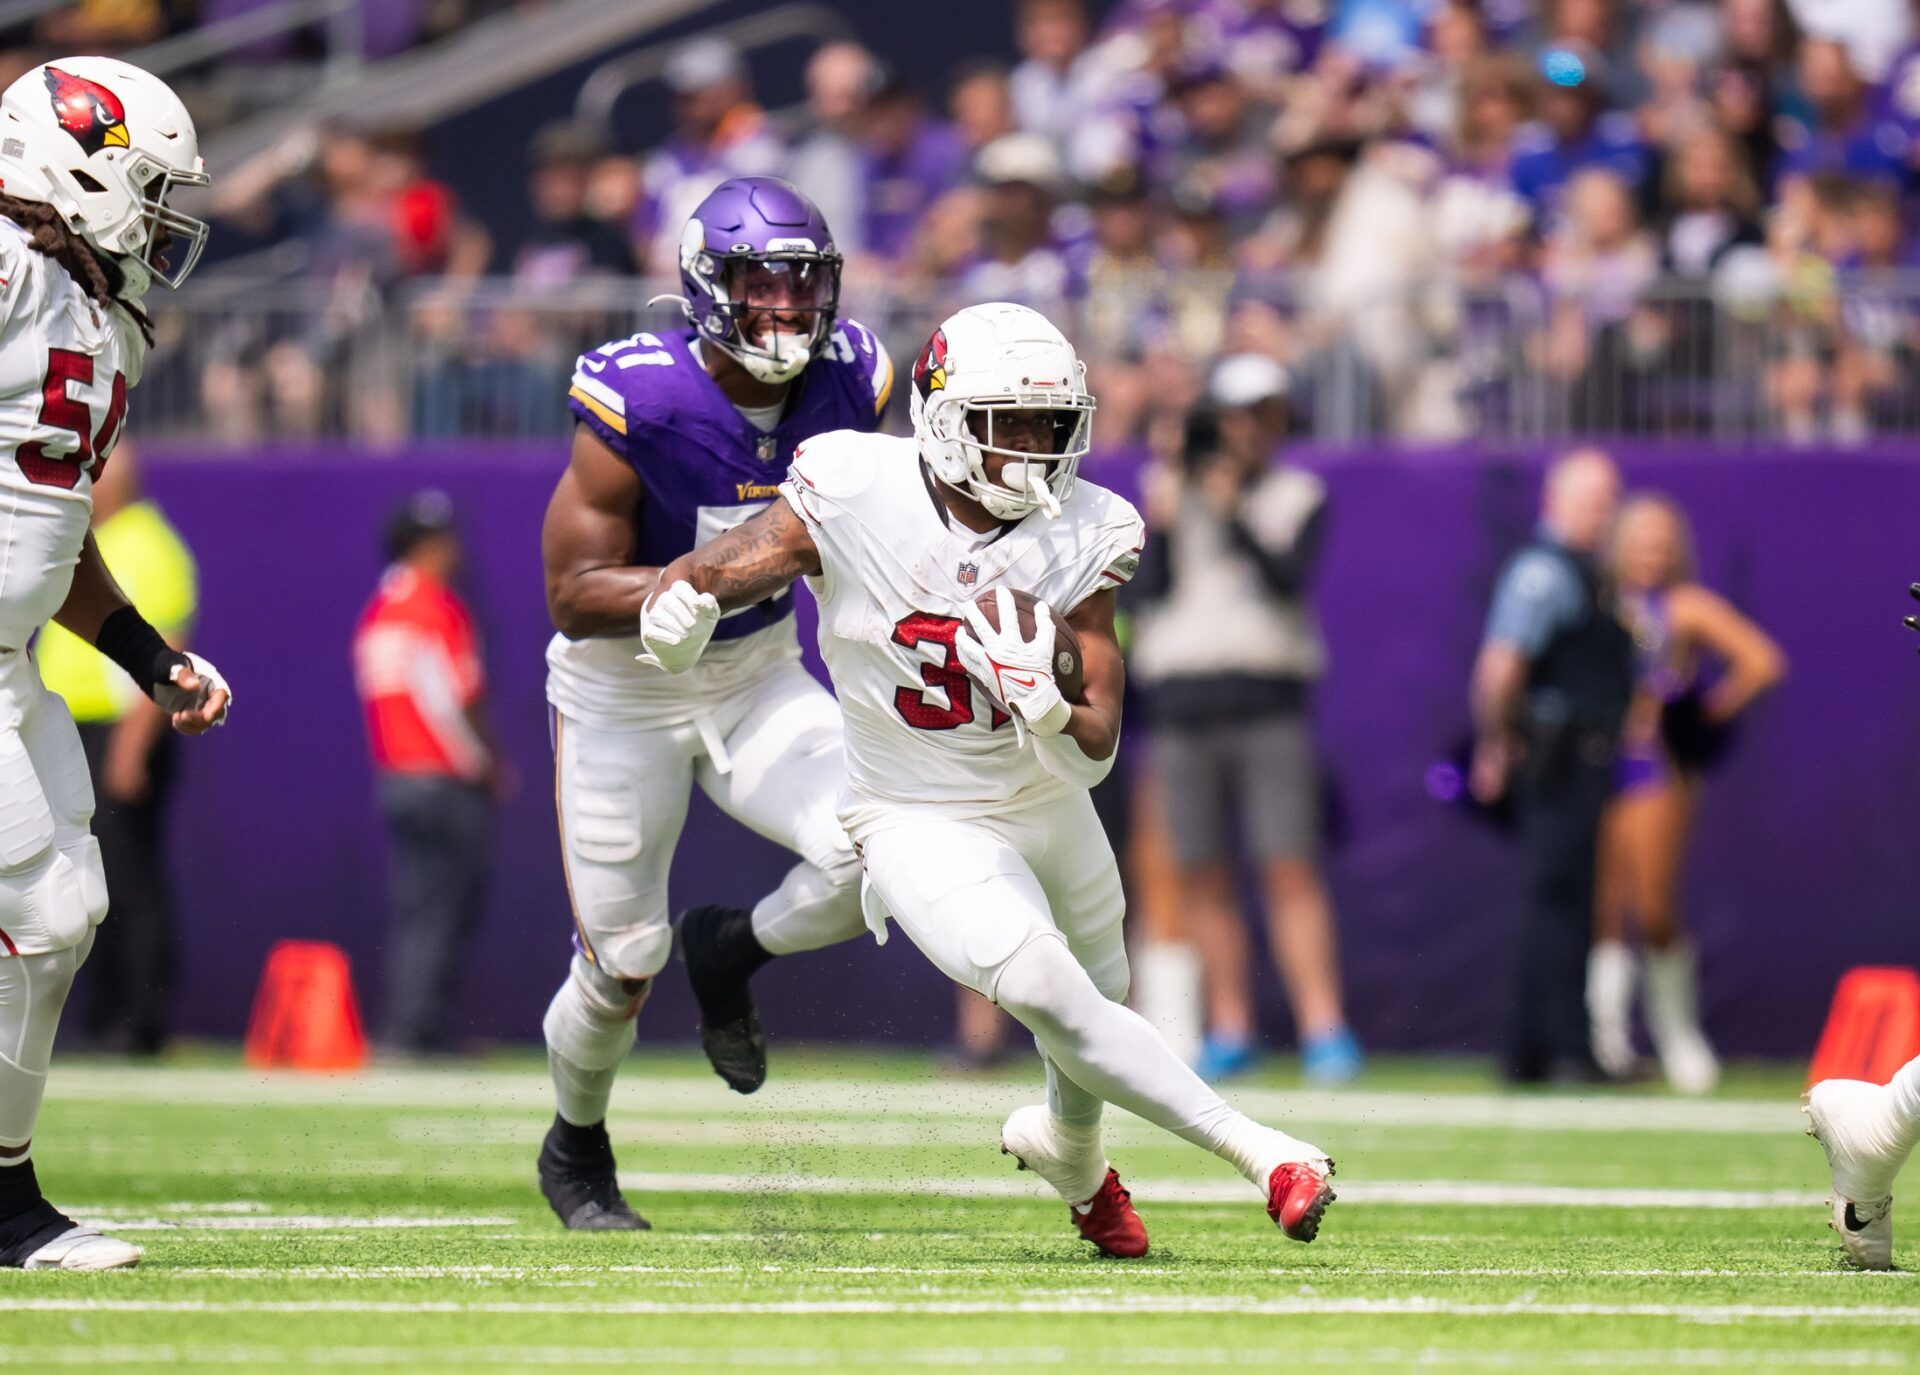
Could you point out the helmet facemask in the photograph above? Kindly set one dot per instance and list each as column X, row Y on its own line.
column 759, row 297
column 163, row 242
column 1031, row 479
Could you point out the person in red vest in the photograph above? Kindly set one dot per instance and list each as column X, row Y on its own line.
column 416, row 661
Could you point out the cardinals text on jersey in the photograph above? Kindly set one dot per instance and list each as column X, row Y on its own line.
column 895, row 579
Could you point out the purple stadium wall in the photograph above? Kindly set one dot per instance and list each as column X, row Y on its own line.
column 1805, row 864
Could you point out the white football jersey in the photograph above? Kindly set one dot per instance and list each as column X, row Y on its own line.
column 895, row 579
column 65, row 366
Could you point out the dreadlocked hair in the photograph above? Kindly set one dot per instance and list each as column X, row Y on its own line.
column 93, row 273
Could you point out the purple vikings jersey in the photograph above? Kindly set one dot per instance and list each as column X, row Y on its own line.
column 703, row 466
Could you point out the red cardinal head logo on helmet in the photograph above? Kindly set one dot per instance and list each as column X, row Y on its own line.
column 87, row 110
column 930, row 371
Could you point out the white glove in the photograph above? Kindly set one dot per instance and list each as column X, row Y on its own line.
column 170, row 697
column 675, row 625
column 1017, row 671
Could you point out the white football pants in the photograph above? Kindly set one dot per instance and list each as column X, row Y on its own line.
column 1025, row 907
column 770, row 757
column 53, row 890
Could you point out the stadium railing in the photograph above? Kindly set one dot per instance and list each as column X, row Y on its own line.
column 246, row 360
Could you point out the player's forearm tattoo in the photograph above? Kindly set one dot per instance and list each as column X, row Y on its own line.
column 753, row 561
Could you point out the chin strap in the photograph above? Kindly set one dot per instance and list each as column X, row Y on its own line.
column 1043, row 493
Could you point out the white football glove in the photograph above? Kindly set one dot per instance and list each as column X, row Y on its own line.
column 1017, row 671
column 170, row 697
column 675, row 625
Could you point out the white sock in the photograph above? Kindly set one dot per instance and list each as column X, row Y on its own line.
column 1110, row 1051
column 1673, row 1018
column 33, row 989
column 808, row 911
column 1609, row 1004
column 589, row 1028
column 1075, row 1119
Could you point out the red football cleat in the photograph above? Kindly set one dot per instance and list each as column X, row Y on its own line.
column 1297, row 1195
column 1109, row 1221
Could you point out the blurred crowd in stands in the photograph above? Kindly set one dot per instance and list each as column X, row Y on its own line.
column 1444, row 217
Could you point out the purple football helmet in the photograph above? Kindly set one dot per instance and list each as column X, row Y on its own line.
column 761, row 275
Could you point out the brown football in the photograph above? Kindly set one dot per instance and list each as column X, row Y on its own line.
column 1068, row 668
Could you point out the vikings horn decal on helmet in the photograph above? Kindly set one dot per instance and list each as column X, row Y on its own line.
column 760, row 275
column 87, row 110
column 990, row 359
column 930, row 373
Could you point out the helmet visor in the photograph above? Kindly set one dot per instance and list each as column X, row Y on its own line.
column 781, row 305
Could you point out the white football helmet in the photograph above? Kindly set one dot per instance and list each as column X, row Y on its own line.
column 1001, row 357
column 105, row 143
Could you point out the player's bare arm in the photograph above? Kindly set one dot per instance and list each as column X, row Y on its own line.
column 587, row 542
column 1095, row 723
column 753, row 561
column 186, row 687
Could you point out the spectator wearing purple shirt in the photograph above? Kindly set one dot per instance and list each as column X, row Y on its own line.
column 1843, row 135
column 1577, row 131
column 1222, row 144
column 1877, row 369
column 908, row 161
column 1267, row 43
column 718, row 133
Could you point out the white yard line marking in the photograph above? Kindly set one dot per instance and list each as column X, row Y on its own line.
column 1426, row 1191
column 1117, row 1305
column 1048, row 1269
column 894, row 1099
column 1079, row 1357
column 226, row 1222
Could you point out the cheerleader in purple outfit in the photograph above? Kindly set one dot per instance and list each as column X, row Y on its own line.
column 1678, row 626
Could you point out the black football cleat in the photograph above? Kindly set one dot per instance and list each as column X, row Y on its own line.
column 721, row 954
column 576, row 1175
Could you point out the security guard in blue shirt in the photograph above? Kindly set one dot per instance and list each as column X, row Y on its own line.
column 1550, row 691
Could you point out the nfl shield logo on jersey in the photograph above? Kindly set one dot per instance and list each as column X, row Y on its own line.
column 766, row 447
column 969, row 574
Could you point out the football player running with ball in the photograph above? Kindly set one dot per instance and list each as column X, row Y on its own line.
column 967, row 765
column 1868, row 1131
column 90, row 150
column 682, row 436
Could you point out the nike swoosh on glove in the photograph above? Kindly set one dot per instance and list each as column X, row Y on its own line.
column 170, row 697
column 1016, row 670
column 675, row 625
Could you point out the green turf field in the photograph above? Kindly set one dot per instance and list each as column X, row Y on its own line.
column 856, row 1215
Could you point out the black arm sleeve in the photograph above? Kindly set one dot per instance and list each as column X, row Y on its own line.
column 1285, row 571
column 126, row 638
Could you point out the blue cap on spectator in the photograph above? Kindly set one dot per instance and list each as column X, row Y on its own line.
column 1574, row 67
